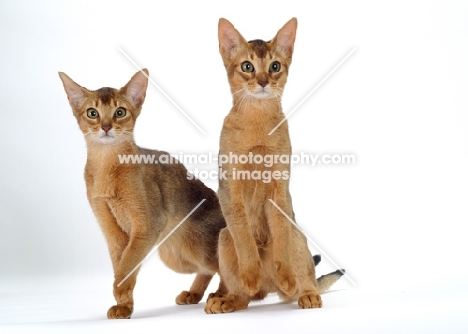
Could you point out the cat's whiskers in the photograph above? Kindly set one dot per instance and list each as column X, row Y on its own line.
column 246, row 100
column 87, row 137
column 238, row 91
column 243, row 100
column 277, row 96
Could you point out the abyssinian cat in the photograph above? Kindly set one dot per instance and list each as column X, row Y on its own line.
column 137, row 205
column 260, row 251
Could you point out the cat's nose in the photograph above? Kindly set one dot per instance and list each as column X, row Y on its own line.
column 262, row 81
column 106, row 127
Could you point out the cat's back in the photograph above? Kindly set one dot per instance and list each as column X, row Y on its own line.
column 162, row 168
column 179, row 189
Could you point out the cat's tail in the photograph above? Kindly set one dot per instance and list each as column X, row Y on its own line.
column 326, row 281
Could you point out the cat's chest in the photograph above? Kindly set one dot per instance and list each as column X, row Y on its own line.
column 246, row 136
column 101, row 183
column 102, row 187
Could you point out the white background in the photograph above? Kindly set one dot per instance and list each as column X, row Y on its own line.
column 395, row 219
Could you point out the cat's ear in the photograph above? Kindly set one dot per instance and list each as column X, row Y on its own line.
column 75, row 93
column 135, row 89
column 229, row 39
column 286, row 36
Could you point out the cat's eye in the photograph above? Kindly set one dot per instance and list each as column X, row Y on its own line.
column 246, row 66
column 120, row 112
column 92, row 113
column 275, row 66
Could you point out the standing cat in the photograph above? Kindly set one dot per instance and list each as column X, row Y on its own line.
column 137, row 205
column 260, row 251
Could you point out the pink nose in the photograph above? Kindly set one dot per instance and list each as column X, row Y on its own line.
column 262, row 82
column 106, row 127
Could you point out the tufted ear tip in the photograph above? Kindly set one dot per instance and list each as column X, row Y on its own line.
column 229, row 38
column 286, row 37
column 75, row 93
column 135, row 89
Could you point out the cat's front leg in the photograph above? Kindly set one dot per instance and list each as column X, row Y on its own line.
column 145, row 229
column 248, row 258
column 230, row 296
column 141, row 242
column 281, row 228
column 116, row 239
column 124, row 297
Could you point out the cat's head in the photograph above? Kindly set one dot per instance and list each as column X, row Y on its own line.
column 256, row 69
column 107, row 115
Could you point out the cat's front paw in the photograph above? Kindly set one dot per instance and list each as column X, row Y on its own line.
column 286, row 278
column 120, row 312
column 250, row 280
column 310, row 300
column 214, row 295
column 225, row 304
column 187, row 297
column 218, row 305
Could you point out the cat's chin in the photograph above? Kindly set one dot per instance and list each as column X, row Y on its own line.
column 262, row 95
column 106, row 139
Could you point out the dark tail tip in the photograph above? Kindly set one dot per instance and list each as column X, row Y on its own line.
column 317, row 259
column 340, row 272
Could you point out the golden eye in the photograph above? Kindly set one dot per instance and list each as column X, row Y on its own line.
column 92, row 113
column 275, row 66
column 246, row 66
column 120, row 112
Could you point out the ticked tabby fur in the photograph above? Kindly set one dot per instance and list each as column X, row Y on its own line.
column 260, row 251
column 137, row 205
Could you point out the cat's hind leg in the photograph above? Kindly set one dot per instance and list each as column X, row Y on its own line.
column 195, row 294
column 308, row 295
column 222, row 290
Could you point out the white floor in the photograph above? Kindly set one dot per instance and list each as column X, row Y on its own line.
column 79, row 305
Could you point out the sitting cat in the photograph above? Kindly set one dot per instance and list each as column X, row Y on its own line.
column 137, row 205
column 260, row 251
